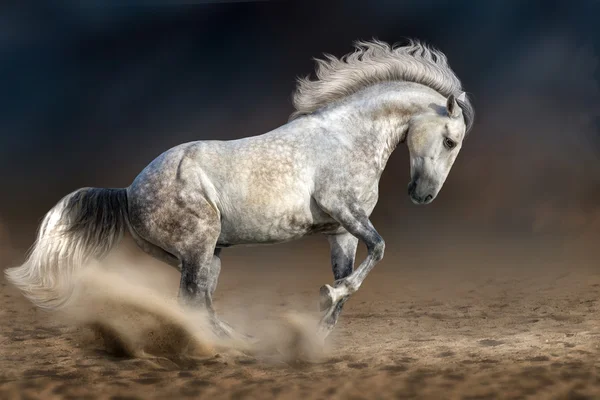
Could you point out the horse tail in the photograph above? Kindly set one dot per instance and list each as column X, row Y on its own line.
column 84, row 226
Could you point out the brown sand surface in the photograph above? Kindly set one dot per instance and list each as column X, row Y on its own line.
column 441, row 332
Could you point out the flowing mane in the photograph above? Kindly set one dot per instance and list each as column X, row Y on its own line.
column 374, row 62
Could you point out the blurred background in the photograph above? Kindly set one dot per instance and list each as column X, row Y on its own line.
column 93, row 91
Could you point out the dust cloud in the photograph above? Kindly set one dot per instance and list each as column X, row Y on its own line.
column 133, row 309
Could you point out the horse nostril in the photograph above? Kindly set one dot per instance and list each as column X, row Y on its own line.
column 411, row 187
column 429, row 197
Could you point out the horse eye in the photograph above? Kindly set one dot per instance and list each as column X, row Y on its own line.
column 449, row 143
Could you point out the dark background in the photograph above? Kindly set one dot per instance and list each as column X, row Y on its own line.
column 92, row 91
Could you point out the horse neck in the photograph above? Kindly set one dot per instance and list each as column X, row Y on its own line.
column 378, row 118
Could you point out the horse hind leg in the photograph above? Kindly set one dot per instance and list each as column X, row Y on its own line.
column 212, row 278
column 199, row 277
column 188, row 229
column 200, row 271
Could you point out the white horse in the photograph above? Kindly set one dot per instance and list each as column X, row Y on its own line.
column 319, row 173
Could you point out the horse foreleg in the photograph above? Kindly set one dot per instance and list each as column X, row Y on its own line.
column 343, row 252
column 333, row 297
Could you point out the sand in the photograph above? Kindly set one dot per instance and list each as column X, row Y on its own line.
column 441, row 332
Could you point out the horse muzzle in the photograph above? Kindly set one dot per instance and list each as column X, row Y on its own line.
column 419, row 196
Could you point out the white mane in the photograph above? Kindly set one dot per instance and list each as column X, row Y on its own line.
column 374, row 62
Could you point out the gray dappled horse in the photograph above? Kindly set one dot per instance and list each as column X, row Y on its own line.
column 319, row 173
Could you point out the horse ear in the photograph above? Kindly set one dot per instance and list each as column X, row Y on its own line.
column 452, row 107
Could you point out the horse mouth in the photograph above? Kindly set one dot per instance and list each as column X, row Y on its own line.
column 420, row 201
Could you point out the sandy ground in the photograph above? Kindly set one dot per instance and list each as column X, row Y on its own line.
column 440, row 333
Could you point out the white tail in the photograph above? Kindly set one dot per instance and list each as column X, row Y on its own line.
column 84, row 226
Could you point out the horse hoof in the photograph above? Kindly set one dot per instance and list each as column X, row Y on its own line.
column 326, row 297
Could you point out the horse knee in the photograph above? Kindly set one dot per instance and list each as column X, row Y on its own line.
column 378, row 250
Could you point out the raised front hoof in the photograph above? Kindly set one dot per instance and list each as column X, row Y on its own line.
column 326, row 297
